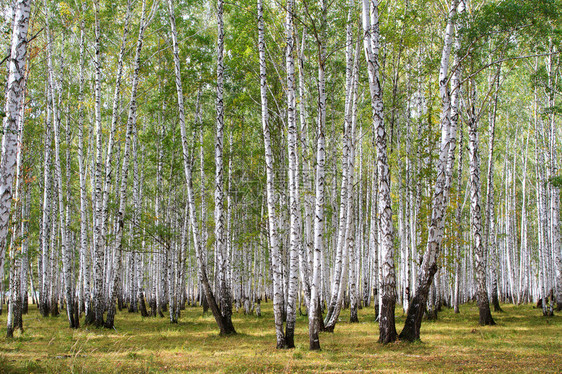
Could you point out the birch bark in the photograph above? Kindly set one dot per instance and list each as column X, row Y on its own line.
column 46, row 217
column 428, row 268
column 224, row 326
column 341, row 248
column 15, row 302
column 305, row 255
column 131, row 125
column 490, row 245
column 315, row 313
column 65, row 250
column 388, row 280
column 84, row 292
column 98, row 252
column 14, row 101
column 220, row 247
column 270, row 174
column 294, row 209
column 476, row 217
column 554, row 191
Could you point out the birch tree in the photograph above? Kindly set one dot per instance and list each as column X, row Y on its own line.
column 131, row 124
column 388, row 280
column 224, row 325
column 270, row 175
column 14, row 101
column 315, row 313
column 476, row 216
column 428, row 267
column 220, row 236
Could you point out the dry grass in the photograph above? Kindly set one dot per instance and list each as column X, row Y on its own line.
column 523, row 341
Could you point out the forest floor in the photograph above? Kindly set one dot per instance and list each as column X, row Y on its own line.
column 522, row 341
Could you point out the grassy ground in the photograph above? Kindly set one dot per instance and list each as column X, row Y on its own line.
column 522, row 341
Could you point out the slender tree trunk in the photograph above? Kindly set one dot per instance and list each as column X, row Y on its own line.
column 305, row 255
column 476, row 217
column 12, row 109
column 224, row 327
column 270, row 174
column 114, row 288
column 523, row 270
column 428, row 268
column 84, row 292
column 15, row 302
column 65, row 250
column 220, row 235
column 459, row 229
column 554, row 191
column 294, row 209
column 342, row 258
column 352, row 242
column 25, row 273
column 203, row 192
column 315, row 311
column 46, row 218
column 490, row 245
column 98, row 253
column 388, row 280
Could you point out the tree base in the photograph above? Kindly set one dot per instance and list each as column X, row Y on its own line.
column 387, row 325
column 486, row 317
column 496, row 304
column 411, row 330
column 353, row 318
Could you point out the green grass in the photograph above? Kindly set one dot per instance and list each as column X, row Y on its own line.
column 522, row 341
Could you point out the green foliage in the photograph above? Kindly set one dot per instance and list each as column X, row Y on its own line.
column 556, row 181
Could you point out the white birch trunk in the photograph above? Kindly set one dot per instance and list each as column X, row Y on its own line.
column 428, row 268
column 341, row 260
column 523, row 266
column 188, row 163
column 98, row 252
column 46, row 217
column 315, row 313
column 476, row 217
column 294, row 208
column 554, row 191
column 270, row 174
column 220, row 236
column 388, row 280
column 131, row 125
column 15, row 300
column 14, row 102
column 65, row 250
column 305, row 255
column 84, row 293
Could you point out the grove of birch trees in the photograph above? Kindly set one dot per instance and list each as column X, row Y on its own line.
column 322, row 156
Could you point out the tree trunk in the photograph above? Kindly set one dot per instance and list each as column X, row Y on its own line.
column 476, row 217
column 315, row 312
column 98, row 253
column 14, row 102
column 115, row 284
column 224, row 327
column 294, row 209
column 220, row 235
column 270, row 192
column 388, row 280
column 428, row 268
column 459, row 229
